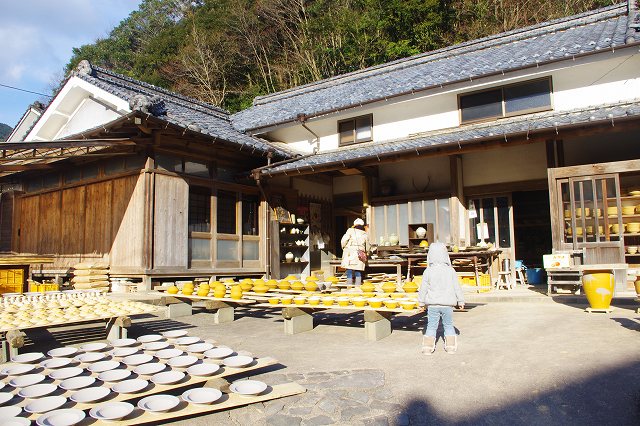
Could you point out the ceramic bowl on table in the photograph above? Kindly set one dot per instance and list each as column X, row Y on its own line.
column 149, row 369
column 16, row 421
column 175, row 334
column 148, row 338
column 11, row 411
column 55, row 363
column 117, row 375
column 37, row 391
column 121, row 343
column 201, row 396
column 632, row 249
column 130, row 386
column 111, row 411
column 64, row 417
column 219, row 352
column 169, row 353
column 135, row 360
column 182, row 361
column 28, row 358
column 155, row 346
column 66, row 373
column 78, row 382
column 18, row 370
column 203, row 369
column 158, row 403
column 187, row 340
column 102, row 366
column 167, row 377
column 238, row 361
column 94, row 347
column 124, row 352
column 88, row 395
column 5, row 397
column 628, row 210
column 63, row 352
column 198, row 348
column 43, row 405
column 26, row 380
column 248, row 387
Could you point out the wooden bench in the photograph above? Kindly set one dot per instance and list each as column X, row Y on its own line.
column 180, row 305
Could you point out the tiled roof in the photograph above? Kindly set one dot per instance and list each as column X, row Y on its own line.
column 504, row 128
column 174, row 108
column 554, row 40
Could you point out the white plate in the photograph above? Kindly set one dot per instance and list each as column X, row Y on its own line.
column 5, row 397
column 158, row 403
column 248, row 387
column 26, row 380
column 187, row 340
column 17, row 370
column 238, row 361
column 123, row 352
column 203, row 369
column 199, row 348
column 133, row 360
column 130, row 386
column 114, row 375
column 55, row 363
column 148, row 338
column 149, row 369
column 17, row 421
column 90, row 357
column 169, row 353
column 182, row 361
column 174, row 334
column 201, row 396
column 42, row 405
column 28, row 358
column 65, row 417
column 94, row 347
column 167, row 377
column 218, row 353
column 64, row 351
column 65, row 373
column 11, row 411
column 78, row 382
column 155, row 346
column 2, row 384
column 111, row 411
column 101, row 366
column 87, row 395
column 36, row 391
column 121, row 343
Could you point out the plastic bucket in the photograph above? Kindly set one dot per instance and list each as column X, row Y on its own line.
column 535, row 276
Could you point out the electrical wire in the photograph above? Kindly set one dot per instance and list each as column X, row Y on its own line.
column 24, row 90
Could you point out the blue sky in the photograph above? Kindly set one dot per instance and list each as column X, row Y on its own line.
column 36, row 38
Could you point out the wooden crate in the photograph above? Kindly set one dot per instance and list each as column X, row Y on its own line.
column 12, row 280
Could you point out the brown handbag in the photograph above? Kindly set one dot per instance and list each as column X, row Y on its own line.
column 362, row 256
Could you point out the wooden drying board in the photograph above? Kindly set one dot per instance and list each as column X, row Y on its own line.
column 221, row 299
column 156, row 389
column 24, row 260
column 139, row 416
column 336, row 307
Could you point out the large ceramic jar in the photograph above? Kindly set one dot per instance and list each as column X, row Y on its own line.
column 421, row 232
column 289, row 257
column 598, row 287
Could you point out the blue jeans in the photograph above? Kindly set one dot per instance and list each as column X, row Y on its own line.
column 433, row 318
column 350, row 274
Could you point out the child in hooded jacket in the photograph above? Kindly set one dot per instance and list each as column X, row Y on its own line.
column 440, row 292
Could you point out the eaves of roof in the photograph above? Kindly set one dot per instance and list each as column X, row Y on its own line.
column 504, row 129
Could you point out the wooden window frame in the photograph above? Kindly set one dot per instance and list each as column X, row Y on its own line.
column 496, row 225
column 355, row 140
column 504, row 114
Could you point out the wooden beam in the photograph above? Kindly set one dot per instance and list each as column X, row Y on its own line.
column 24, row 167
column 497, row 188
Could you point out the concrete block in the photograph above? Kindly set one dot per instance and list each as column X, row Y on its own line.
column 177, row 310
column 298, row 324
column 223, row 315
column 377, row 330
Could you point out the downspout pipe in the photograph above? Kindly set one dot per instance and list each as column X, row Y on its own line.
column 303, row 118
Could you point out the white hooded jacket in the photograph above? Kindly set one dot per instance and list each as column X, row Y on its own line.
column 440, row 284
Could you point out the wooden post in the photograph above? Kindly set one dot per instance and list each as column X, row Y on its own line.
column 456, row 199
column 377, row 325
column 297, row 320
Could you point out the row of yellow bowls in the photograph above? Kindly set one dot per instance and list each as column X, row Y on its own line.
column 632, row 228
column 611, row 211
column 343, row 301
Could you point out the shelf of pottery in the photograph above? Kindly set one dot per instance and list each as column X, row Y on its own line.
column 101, row 380
column 291, row 244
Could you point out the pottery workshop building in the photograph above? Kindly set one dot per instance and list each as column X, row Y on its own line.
column 526, row 140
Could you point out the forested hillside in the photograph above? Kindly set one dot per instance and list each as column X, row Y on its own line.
column 5, row 131
column 228, row 51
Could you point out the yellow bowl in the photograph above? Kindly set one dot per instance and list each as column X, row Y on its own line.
column 274, row 300
column 359, row 302
column 375, row 303
column 368, row 294
column 327, row 301
column 391, row 304
column 299, row 300
column 408, row 306
column 297, row 285
column 287, row 300
column 314, row 301
column 343, row 301
column 284, row 285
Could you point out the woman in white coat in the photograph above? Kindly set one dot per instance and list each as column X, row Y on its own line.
column 354, row 240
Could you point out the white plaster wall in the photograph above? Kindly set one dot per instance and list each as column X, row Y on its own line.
column 432, row 171
column 312, row 189
column 595, row 80
column 90, row 113
column 347, row 184
column 505, row 164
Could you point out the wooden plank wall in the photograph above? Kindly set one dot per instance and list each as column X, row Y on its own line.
column 81, row 222
column 127, row 222
column 170, row 227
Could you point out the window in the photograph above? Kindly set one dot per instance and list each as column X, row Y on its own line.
column 226, row 212
column 355, row 130
column 199, row 210
column 249, row 215
column 495, row 216
column 395, row 219
column 515, row 99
